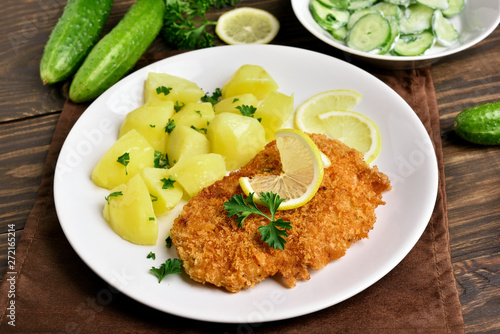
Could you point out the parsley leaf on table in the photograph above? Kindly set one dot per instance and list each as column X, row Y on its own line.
column 275, row 232
column 185, row 22
column 171, row 266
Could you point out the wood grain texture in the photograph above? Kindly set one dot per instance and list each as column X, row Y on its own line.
column 29, row 113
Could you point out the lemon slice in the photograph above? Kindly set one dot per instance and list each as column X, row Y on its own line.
column 302, row 165
column 247, row 25
column 306, row 117
column 353, row 129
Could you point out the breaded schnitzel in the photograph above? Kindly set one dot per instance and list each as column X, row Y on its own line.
column 214, row 250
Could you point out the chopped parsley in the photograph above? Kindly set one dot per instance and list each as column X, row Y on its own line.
column 151, row 255
column 170, row 126
column 168, row 242
column 124, row 159
column 275, row 232
column 160, row 160
column 247, row 110
column 204, row 130
column 113, row 194
column 214, row 98
column 153, row 198
column 178, row 106
column 164, row 90
column 168, row 183
column 171, row 266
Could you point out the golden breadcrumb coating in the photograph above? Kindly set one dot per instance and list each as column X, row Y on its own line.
column 214, row 250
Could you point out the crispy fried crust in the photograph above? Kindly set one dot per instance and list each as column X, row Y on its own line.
column 214, row 250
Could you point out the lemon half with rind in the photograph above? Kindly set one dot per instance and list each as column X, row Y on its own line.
column 303, row 170
column 246, row 25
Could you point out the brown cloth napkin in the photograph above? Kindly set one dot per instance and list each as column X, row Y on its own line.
column 56, row 292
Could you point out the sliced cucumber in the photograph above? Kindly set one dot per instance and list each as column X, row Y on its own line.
column 416, row 19
column 371, row 33
column 480, row 124
column 404, row 3
column 387, row 9
column 455, row 7
column 358, row 4
column 436, row 4
column 413, row 45
column 328, row 18
column 339, row 4
column 443, row 29
column 340, row 34
column 395, row 31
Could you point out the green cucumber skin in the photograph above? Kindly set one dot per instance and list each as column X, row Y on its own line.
column 480, row 124
column 74, row 35
column 118, row 52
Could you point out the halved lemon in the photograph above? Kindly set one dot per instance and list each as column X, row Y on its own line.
column 302, row 165
column 247, row 25
column 306, row 117
column 353, row 129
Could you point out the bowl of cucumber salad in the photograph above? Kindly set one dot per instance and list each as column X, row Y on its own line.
column 399, row 34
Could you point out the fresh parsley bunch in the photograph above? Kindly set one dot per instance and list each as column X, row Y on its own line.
column 185, row 22
column 275, row 232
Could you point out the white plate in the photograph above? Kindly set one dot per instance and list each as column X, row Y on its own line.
column 476, row 21
column 407, row 156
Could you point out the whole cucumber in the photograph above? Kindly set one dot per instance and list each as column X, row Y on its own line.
column 118, row 52
column 76, row 32
column 480, row 124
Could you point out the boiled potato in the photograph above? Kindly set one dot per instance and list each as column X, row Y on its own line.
column 198, row 115
column 197, row 172
column 110, row 172
column 249, row 79
column 164, row 190
column 182, row 90
column 184, row 141
column 237, row 138
column 150, row 121
column 273, row 111
column 130, row 213
column 231, row 104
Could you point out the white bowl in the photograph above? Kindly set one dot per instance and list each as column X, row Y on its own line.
column 477, row 20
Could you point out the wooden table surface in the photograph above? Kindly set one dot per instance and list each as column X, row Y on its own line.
column 29, row 112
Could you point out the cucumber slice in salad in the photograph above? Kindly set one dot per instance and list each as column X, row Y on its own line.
column 328, row 18
column 413, row 45
column 387, row 9
column 371, row 33
column 454, row 8
column 436, row 4
column 358, row 4
column 339, row 4
column 443, row 29
column 416, row 19
column 404, row 3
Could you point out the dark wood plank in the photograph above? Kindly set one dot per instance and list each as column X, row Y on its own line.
column 472, row 183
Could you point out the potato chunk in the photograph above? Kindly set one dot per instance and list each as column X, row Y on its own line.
column 231, row 104
column 125, row 158
column 164, row 190
column 130, row 213
column 199, row 171
column 178, row 90
column 237, row 138
column 250, row 79
column 184, row 141
column 198, row 115
column 150, row 121
column 273, row 111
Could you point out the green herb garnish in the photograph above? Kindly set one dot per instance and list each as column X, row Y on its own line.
column 160, row 160
column 204, row 130
column 275, row 232
column 247, row 110
column 185, row 22
column 170, row 126
column 151, row 255
column 214, row 98
column 168, row 242
column 171, row 266
column 124, row 159
column 168, row 183
column 113, row 194
column 164, row 90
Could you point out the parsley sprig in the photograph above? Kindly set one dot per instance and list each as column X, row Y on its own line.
column 170, row 266
column 274, row 233
column 185, row 22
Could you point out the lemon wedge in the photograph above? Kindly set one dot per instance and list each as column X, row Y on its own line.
column 247, row 25
column 331, row 113
column 306, row 117
column 302, row 165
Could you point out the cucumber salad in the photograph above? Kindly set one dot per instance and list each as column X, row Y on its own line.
column 397, row 27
